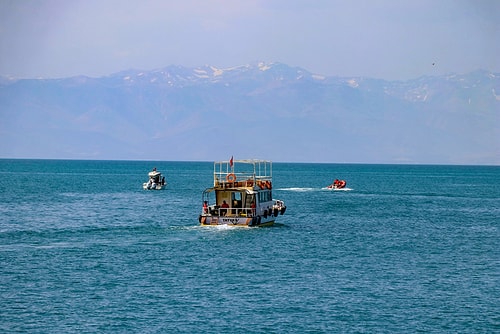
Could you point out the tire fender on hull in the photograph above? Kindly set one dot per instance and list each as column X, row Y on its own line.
column 255, row 221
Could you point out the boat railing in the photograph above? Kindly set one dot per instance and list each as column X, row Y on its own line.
column 242, row 171
column 234, row 212
column 244, row 168
column 247, row 182
column 216, row 210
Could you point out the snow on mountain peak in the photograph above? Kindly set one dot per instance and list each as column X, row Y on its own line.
column 217, row 71
column 263, row 66
column 353, row 83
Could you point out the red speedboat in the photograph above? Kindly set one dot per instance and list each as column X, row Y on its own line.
column 337, row 184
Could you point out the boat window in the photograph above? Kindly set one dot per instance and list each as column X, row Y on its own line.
column 249, row 199
column 237, row 202
column 265, row 196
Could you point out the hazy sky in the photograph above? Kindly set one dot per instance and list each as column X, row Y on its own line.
column 387, row 39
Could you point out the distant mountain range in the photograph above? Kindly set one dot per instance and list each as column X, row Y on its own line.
column 262, row 110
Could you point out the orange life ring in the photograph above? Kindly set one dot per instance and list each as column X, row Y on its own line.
column 268, row 185
column 231, row 177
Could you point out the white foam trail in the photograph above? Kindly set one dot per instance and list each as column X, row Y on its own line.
column 298, row 189
column 333, row 189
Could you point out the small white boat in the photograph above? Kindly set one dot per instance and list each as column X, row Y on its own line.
column 241, row 195
column 156, row 181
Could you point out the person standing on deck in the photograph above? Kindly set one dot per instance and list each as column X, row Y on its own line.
column 224, row 207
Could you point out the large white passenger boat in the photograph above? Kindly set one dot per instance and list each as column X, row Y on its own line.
column 241, row 195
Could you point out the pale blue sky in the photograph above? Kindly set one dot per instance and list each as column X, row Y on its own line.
column 387, row 39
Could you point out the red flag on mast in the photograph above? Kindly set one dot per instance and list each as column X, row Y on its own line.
column 231, row 162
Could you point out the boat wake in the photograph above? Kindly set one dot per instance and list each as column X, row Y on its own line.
column 298, row 189
column 313, row 189
column 337, row 189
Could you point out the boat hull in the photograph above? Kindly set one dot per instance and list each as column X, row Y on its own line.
column 258, row 221
column 145, row 186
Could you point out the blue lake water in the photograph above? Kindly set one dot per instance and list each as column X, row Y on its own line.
column 408, row 249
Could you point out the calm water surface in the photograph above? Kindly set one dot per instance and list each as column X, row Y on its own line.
column 407, row 249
